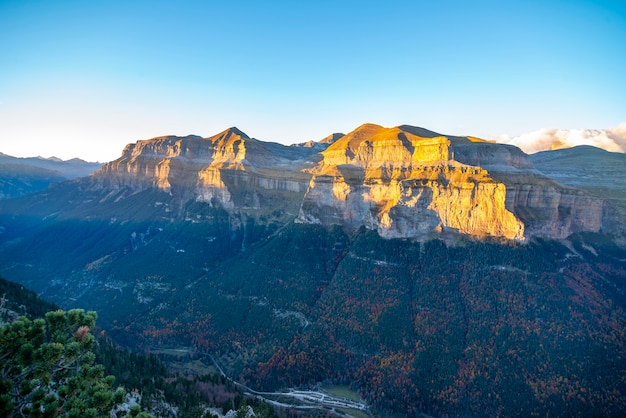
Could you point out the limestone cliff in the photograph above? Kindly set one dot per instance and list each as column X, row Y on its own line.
column 403, row 182
column 547, row 208
column 405, row 185
column 229, row 169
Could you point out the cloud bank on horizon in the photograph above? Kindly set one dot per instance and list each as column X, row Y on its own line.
column 611, row 139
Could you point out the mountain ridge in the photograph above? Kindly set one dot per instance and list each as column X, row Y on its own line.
column 297, row 265
column 22, row 176
column 245, row 173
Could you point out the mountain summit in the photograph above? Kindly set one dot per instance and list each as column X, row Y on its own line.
column 404, row 185
column 402, row 182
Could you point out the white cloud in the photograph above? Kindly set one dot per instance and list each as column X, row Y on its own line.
column 613, row 139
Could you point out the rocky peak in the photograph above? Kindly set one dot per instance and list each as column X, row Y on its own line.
column 403, row 181
column 230, row 146
column 332, row 138
column 372, row 146
column 405, row 185
column 230, row 133
column 318, row 146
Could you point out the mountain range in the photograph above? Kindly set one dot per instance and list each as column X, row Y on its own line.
column 403, row 182
column 434, row 274
column 22, row 176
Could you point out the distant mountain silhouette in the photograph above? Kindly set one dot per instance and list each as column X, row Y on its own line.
column 21, row 176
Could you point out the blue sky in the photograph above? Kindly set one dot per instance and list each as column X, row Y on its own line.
column 84, row 78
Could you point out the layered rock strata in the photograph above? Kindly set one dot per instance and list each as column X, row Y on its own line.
column 403, row 182
column 229, row 169
column 404, row 185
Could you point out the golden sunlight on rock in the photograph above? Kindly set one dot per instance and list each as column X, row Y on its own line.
column 161, row 175
column 210, row 186
column 404, row 182
column 410, row 187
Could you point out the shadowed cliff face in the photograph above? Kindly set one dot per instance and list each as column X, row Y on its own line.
column 403, row 182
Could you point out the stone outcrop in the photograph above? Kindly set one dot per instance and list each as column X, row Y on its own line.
column 547, row 208
column 403, row 182
column 229, row 169
column 405, row 185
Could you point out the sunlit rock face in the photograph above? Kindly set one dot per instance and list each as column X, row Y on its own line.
column 546, row 208
column 405, row 185
column 156, row 162
column 229, row 169
column 402, row 182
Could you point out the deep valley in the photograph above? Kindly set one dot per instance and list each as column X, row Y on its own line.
column 438, row 275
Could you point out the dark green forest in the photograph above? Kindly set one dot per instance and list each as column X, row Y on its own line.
column 87, row 374
column 464, row 329
column 447, row 327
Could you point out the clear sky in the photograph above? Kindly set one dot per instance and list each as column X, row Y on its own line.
column 84, row 78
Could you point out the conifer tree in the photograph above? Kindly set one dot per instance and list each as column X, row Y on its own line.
column 47, row 369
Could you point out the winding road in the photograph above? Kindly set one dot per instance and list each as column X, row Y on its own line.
column 307, row 399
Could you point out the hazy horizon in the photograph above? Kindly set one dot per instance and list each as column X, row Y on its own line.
column 613, row 140
column 83, row 79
